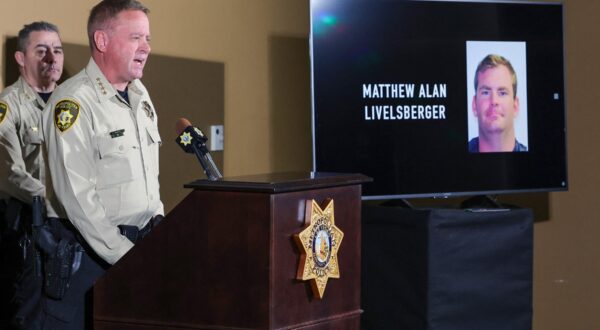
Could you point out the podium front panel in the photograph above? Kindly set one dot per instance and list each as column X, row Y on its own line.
column 293, row 301
column 227, row 259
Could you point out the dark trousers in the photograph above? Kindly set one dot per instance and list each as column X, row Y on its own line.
column 21, row 279
column 74, row 310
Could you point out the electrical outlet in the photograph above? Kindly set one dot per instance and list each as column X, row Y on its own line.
column 216, row 137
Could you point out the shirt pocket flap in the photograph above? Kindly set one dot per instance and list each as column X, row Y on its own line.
column 32, row 136
column 108, row 145
column 154, row 135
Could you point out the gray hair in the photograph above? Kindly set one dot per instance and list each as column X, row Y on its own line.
column 106, row 10
column 25, row 32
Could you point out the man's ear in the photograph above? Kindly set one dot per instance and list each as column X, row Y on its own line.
column 474, row 106
column 100, row 41
column 516, row 106
column 20, row 58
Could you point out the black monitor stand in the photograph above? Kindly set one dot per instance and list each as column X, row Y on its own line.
column 451, row 269
column 481, row 202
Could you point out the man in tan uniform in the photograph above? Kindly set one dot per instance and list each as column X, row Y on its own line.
column 102, row 142
column 40, row 58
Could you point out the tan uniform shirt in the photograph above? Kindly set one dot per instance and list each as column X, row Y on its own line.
column 22, row 166
column 103, row 158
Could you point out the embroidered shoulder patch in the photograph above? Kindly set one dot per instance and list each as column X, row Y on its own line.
column 3, row 111
column 66, row 113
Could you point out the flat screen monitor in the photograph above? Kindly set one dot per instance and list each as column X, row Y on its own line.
column 439, row 98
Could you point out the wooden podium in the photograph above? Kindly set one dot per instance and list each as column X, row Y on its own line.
column 225, row 258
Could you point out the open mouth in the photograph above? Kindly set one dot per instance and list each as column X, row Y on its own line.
column 138, row 61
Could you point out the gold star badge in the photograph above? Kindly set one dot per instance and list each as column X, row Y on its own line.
column 185, row 138
column 66, row 113
column 319, row 243
column 64, row 118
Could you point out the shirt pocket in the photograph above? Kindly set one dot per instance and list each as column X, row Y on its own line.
column 118, row 161
column 32, row 135
column 153, row 135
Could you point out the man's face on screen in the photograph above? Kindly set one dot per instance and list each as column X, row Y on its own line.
column 494, row 103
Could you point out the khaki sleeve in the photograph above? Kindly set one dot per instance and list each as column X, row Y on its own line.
column 13, row 172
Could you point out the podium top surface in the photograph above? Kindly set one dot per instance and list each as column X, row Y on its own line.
column 280, row 182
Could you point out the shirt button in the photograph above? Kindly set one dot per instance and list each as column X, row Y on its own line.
column 121, row 148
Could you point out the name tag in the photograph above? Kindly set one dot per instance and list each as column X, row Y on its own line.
column 117, row 133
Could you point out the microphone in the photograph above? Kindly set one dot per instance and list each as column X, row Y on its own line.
column 192, row 140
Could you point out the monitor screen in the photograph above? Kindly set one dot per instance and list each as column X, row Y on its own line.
column 439, row 98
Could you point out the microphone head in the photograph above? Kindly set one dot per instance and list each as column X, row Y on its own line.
column 189, row 137
column 181, row 125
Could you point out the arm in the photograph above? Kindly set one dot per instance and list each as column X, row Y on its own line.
column 13, row 171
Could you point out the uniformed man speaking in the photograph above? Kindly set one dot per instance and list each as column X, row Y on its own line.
column 102, row 143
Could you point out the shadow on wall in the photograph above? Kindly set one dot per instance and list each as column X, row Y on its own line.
column 290, row 106
column 10, row 71
column 179, row 88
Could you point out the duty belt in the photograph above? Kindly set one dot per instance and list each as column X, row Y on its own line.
column 134, row 234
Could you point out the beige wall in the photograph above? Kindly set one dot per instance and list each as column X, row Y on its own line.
column 252, row 39
column 234, row 32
